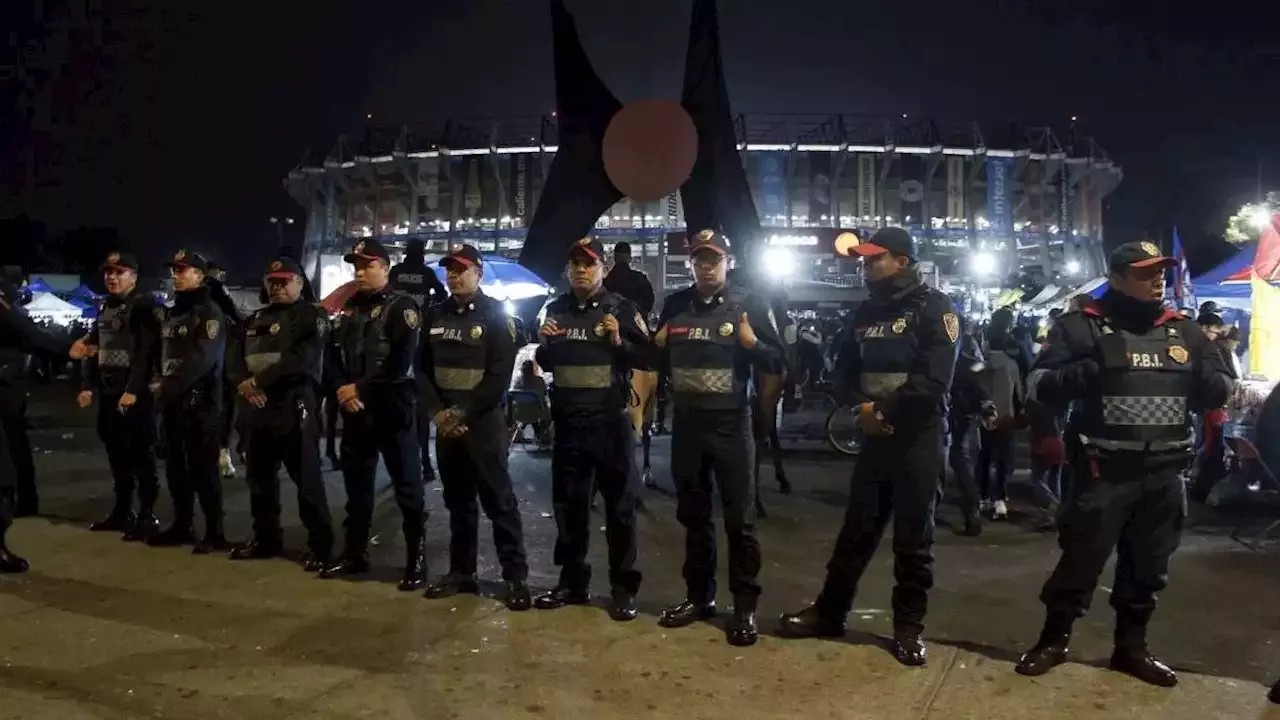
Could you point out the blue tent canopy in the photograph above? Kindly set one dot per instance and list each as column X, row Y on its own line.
column 39, row 286
column 84, row 293
column 1238, row 262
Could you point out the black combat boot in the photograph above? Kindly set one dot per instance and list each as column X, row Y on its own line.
column 144, row 526
column 451, row 585
column 519, row 598
column 687, row 613
column 258, row 549
column 743, row 630
column 811, row 622
column 120, row 520
column 415, row 565
column 908, row 648
column 1050, row 650
column 1132, row 658
column 622, row 608
column 179, row 533
column 1274, row 694
column 561, row 596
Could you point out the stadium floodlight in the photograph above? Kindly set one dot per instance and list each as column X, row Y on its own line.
column 779, row 261
column 984, row 264
column 1260, row 217
column 1073, row 267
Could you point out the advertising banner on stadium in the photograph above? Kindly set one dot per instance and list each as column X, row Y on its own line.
column 1000, row 196
column 521, row 207
column 955, row 188
column 911, row 189
column 820, row 188
column 772, row 166
column 867, row 188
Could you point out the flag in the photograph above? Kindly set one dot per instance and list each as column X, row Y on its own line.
column 1264, row 329
column 1266, row 262
column 716, row 195
column 1181, row 274
column 577, row 191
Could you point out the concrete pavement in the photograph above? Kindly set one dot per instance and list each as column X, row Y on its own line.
column 104, row 629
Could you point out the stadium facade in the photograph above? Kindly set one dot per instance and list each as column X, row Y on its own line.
column 1018, row 198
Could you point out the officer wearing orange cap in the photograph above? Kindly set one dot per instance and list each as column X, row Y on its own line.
column 896, row 366
column 713, row 336
column 372, row 361
column 1135, row 371
column 277, row 373
column 466, row 360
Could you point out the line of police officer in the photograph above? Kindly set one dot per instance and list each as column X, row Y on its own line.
column 1135, row 369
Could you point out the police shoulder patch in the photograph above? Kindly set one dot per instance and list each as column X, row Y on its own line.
column 211, row 329
column 952, row 325
column 411, row 318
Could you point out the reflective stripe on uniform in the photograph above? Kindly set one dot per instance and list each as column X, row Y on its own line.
column 1144, row 411
column 257, row 362
column 880, row 385
column 113, row 358
column 458, row 378
column 584, row 376
column 702, row 380
column 1136, row 445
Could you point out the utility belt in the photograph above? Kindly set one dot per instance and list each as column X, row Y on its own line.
column 1136, row 454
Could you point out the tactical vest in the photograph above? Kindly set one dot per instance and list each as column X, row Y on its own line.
column 179, row 337
column 888, row 348
column 368, row 344
column 268, row 335
column 582, row 358
column 412, row 281
column 115, row 342
column 1145, row 382
column 458, row 351
column 703, row 345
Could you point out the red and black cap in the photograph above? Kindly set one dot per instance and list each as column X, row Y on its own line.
column 183, row 259
column 709, row 240
column 466, row 255
column 892, row 240
column 588, row 247
column 283, row 268
column 1139, row 255
column 120, row 261
column 367, row 250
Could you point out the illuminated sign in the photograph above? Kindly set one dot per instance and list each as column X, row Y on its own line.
column 792, row 240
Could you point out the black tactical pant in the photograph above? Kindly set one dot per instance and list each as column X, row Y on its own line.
column 385, row 427
column 8, row 485
column 593, row 452
column 1133, row 505
column 287, row 431
column 961, row 453
column 190, row 428
column 13, row 417
column 130, row 441
column 719, row 442
column 896, row 477
column 473, row 467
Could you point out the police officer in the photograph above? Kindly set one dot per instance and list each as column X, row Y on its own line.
column 17, row 332
column 1136, row 370
column 127, row 336
column 278, row 375
column 467, row 359
column 375, row 341
column 14, row 373
column 896, row 367
column 413, row 278
column 590, row 341
column 713, row 335
column 189, row 393
column 216, row 279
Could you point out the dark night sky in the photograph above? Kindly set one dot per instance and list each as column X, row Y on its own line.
column 186, row 121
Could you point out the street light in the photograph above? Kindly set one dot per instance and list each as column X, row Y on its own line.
column 1073, row 267
column 278, row 223
column 1260, row 218
column 984, row 264
column 779, row 260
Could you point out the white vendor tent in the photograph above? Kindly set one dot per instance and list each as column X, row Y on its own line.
column 47, row 306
